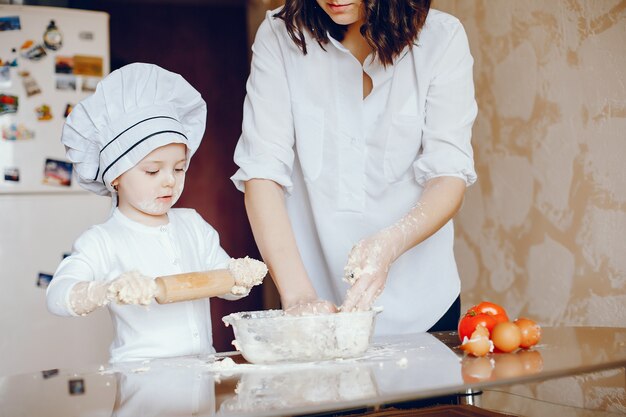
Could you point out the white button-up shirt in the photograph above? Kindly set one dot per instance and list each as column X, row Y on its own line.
column 352, row 166
column 186, row 244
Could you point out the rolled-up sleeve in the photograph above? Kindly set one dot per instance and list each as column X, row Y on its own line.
column 265, row 148
column 450, row 111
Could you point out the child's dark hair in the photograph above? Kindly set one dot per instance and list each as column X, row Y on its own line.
column 389, row 25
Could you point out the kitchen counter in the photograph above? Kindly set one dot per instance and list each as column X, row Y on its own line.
column 394, row 370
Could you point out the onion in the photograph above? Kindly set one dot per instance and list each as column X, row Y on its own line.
column 530, row 330
column 506, row 336
column 479, row 344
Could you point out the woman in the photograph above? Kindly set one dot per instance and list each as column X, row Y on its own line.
column 355, row 155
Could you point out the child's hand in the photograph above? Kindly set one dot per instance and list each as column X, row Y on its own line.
column 87, row 296
column 132, row 288
column 247, row 272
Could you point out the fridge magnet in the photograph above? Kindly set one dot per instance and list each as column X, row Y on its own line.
column 90, row 83
column 77, row 386
column 12, row 174
column 68, row 109
column 30, row 85
column 63, row 64
column 52, row 37
column 66, row 82
column 9, row 62
column 8, row 104
column 17, row 132
column 49, row 373
column 43, row 112
column 10, row 23
column 85, row 35
column 32, row 51
column 88, row 65
column 57, row 172
column 5, row 76
column 43, row 280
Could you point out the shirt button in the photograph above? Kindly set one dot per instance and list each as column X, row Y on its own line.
column 163, row 229
column 175, row 262
column 195, row 335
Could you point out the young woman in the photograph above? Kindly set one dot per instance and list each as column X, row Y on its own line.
column 355, row 155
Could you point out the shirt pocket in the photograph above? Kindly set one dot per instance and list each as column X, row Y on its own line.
column 309, row 130
column 402, row 147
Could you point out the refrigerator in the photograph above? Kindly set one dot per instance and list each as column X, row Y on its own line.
column 50, row 59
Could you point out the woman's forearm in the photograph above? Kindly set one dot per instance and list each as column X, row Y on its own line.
column 370, row 259
column 265, row 205
column 440, row 201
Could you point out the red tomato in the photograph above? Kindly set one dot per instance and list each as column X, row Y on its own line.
column 492, row 309
column 468, row 323
column 485, row 313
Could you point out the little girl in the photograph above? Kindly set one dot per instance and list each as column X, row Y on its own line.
column 133, row 139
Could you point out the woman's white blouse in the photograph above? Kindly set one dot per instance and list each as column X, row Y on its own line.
column 102, row 253
column 352, row 166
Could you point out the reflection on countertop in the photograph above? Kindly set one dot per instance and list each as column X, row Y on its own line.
column 394, row 369
column 601, row 394
column 501, row 366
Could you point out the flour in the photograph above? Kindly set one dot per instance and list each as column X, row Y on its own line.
column 87, row 296
column 311, row 308
column 247, row 272
column 156, row 207
column 402, row 362
column 363, row 261
column 226, row 363
column 271, row 336
column 132, row 288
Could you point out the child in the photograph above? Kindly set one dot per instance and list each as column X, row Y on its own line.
column 133, row 139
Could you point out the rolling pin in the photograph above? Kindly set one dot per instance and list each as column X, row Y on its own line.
column 193, row 285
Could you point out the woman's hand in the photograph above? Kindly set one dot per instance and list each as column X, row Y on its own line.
column 314, row 307
column 368, row 264
column 370, row 260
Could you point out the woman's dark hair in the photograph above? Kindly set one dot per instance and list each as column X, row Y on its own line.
column 389, row 26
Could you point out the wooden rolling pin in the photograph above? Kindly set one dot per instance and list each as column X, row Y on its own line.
column 193, row 285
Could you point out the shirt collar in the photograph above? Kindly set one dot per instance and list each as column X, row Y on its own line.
column 132, row 224
column 371, row 66
column 369, row 61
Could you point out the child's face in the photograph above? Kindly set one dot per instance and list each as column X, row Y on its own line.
column 148, row 190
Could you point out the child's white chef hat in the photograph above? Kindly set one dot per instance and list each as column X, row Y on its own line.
column 133, row 111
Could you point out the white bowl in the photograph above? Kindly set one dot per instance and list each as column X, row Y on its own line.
column 271, row 336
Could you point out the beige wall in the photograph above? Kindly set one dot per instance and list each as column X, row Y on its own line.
column 543, row 232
